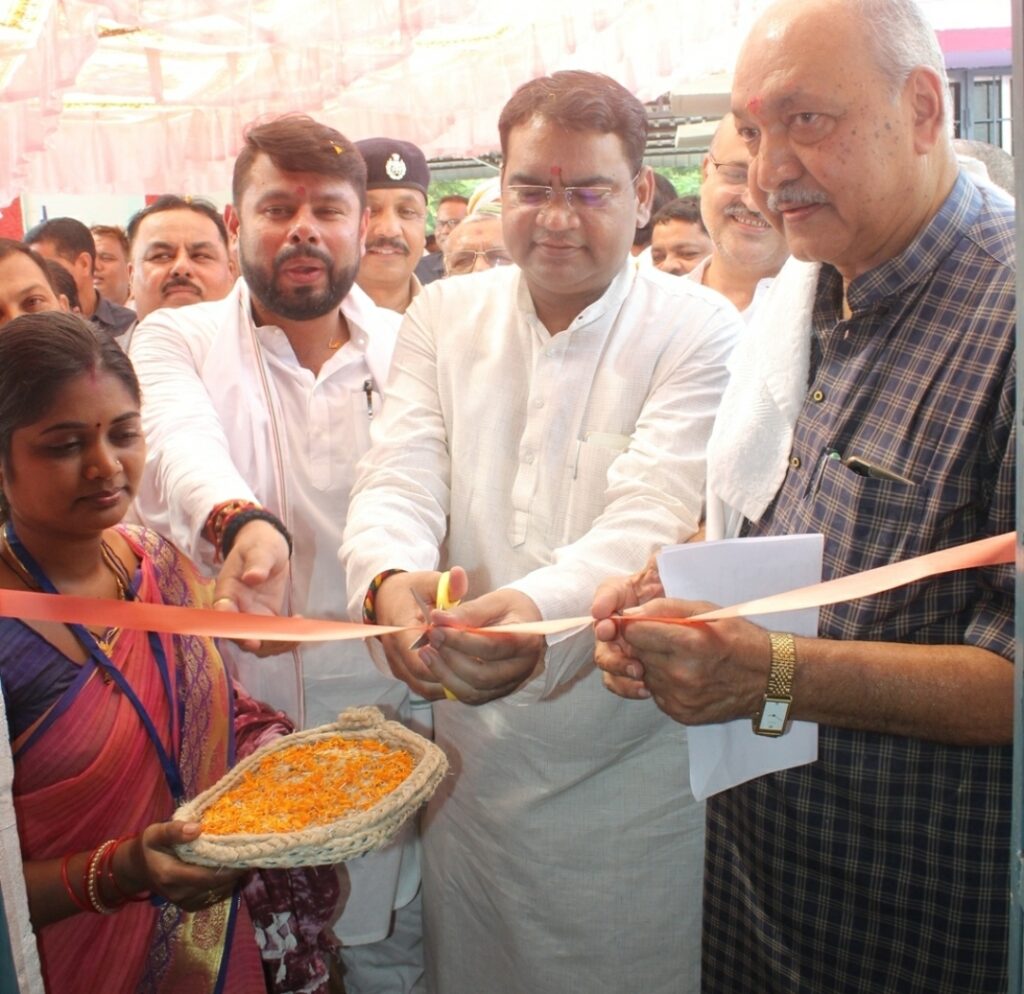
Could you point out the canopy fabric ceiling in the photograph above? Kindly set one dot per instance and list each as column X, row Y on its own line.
column 103, row 96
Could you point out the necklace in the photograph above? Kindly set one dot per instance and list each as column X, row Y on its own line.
column 111, row 561
column 335, row 342
column 117, row 568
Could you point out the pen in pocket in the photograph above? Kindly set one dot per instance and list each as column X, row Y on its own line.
column 864, row 468
column 829, row 455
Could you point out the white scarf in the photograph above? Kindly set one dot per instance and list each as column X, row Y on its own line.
column 749, row 448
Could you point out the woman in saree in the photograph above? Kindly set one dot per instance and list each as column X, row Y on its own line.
column 110, row 729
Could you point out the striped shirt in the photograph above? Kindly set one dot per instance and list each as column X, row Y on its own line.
column 884, row 865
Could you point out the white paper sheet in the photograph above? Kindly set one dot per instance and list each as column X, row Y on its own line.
column 729, row 572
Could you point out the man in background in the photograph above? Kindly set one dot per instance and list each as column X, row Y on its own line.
column 746, row 250
column 111, row 273
column 450, row 211
column 679, row 239
column 396, row 195
column 476, row 243
column 179, row 253
column 69, row 242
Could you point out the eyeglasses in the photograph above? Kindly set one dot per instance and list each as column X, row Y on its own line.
column 445, row 225
column 587, row 198
column 460, row 263
column 732, row 173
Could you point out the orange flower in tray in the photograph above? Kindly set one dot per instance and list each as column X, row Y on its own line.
column 316, row 797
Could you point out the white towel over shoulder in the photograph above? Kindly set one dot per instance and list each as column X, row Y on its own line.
column 749, row 447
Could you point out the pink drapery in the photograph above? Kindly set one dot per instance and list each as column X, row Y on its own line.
column 145, row 95
column 132, row 96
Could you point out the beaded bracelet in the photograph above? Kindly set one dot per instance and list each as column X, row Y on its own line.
column 370, row 598
column 240, row 518
column 76, row 900
column 92, row 890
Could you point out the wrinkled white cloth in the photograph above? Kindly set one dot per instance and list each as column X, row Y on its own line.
column 229, row 413
column 749, row 447
column 24, row 955
column 763, row 285
column 563, row 854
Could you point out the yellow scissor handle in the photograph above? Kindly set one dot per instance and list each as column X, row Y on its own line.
column 444, row 592
column 443, row 601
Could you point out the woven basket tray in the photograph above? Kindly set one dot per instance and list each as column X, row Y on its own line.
column 333, row 842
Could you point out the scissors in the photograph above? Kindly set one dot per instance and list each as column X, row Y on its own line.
column 443, row 601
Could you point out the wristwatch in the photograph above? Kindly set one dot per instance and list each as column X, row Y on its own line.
column 771, row 720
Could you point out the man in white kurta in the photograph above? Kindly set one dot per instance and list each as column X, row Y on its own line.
column 539, row 450
column 240, row 405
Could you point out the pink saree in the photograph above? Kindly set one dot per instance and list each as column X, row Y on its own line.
column 87, row 771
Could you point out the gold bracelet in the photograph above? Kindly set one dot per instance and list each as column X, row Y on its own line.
column 92, row 889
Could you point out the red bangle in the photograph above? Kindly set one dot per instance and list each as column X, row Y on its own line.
column 107, row 871
column 76, row 900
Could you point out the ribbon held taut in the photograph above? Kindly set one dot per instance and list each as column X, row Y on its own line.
column 89, row 611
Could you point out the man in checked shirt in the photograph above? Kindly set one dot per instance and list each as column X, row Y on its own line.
column 889, row 428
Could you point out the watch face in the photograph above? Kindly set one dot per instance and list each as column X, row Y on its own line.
column 773, row 716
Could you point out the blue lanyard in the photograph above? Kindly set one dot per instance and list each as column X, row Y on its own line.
column 98, row 658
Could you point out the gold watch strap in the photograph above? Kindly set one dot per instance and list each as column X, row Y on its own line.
column 780, row 676
column 773, row 715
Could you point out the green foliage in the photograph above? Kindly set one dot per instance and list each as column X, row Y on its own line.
column 449, row 188
column 685, row 180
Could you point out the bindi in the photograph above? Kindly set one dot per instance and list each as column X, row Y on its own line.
column 556, row 172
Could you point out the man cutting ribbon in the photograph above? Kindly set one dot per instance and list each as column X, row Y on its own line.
column 872, row 401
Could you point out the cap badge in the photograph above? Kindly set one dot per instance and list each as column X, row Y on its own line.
column 395, row 167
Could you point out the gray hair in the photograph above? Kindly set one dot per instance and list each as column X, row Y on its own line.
column 901, row 38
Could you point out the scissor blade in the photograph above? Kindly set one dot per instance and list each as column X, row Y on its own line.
column 425, row 609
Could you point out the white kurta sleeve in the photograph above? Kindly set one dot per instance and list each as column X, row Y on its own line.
column 189, row 469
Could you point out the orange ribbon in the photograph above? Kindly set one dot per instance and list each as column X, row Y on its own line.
column 90, row 611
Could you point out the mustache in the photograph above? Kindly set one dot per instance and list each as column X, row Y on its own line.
column 738, row 210
column 393, row 243
column 303, row 252
column 794, row 196
column 175, row 281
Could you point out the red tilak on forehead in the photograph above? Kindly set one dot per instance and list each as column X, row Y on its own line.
column 754, row 105
column 556, row 172
column 300, row 190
